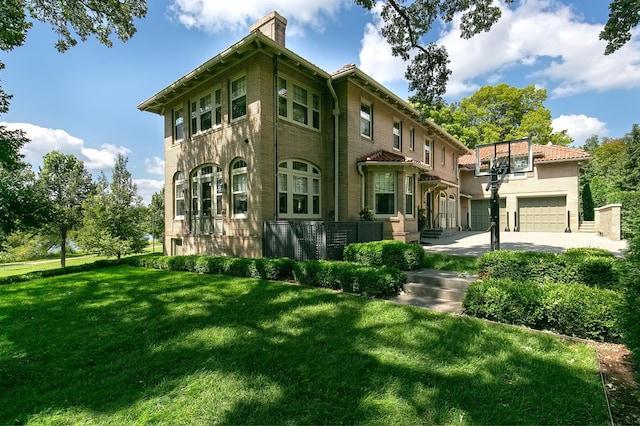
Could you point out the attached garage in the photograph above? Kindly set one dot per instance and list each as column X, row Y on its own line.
column 481, row 211
column 546, row 214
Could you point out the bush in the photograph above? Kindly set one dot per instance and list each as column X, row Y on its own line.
column 589, row 266
column 350, row 277
column 571, row 309
column 395, row 254
column 630, row 285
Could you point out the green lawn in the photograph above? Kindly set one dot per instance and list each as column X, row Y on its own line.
column 127, row 345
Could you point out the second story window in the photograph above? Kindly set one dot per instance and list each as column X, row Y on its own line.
column 412, row 139
column 428, row 149
column 206, row 112
column 298, row 103
column 443, row 155
column 366, row 120
column 454, row 160
column 178, row 124
column 397, row 135
column 238, row 98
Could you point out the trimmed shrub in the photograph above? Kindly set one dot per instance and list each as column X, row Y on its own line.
column 350, row 277
column 630, row 312
column 395, row 254
column 571, row 309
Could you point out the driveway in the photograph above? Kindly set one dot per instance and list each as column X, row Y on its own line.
column 476, row 243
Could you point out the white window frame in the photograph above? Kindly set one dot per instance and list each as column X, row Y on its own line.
column 409, row 190
column 379, row 189
column 428, row 152
column 178, row 128
column 209, row 219
column 235, row 96
column 397, row 135
column 197, row 112
column 239, row 188
column 296, row 185
column 412, row 139
column 366, row 119
column 289, row 102
column 179, row 195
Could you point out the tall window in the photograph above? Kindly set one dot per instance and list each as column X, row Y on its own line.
column 206, row 199
column 412, row 139
column 454, row 160
column 178, row 124
column 238, row 98
column 298, row 189
column 239, row 188
column 408, row 192
column 206, row 112
column 178, row 195
column 428, row 149
column 397, row 135
column 384, row 189
column 366, row 119
column 443, row 155
column 298, row 103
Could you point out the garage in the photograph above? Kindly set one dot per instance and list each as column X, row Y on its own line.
column 480, row 214
column 546, row 214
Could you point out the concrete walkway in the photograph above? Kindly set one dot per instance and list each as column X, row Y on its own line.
column 469, row 243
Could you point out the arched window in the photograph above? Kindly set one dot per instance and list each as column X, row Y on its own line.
column 206, row 199
column 178, row 195
column 298, row 189
column 239, row 188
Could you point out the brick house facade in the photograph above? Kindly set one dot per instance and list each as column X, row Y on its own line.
column 257, row 133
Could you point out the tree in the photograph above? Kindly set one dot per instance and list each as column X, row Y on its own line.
column 156, row 216
column 70, row 19
column 66, row 184
column 497, row 113
column 631, row 163
column 113, row 223
column 407, row 23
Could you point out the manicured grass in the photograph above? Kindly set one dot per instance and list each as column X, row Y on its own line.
column 451, row 262
column 127, row 345
column 10, row 269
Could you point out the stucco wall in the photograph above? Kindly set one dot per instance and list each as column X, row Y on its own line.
column 608, row 221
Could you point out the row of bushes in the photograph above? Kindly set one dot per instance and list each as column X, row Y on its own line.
column 588, row 266
column 349, row 277
column 570, row 309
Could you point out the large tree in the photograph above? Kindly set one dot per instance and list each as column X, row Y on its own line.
column 406, row 24
column 155, row 216
column 113, row 221
column 66, row 184
column 497, row 113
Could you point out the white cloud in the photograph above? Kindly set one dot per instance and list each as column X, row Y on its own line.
column 217, row 16
column 579, row 127
column 550, row 40
column 148, row 187
column 376, row 58
column 155, row 165
column 45, row 140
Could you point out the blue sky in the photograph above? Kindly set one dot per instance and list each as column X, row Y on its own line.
column 83, row 102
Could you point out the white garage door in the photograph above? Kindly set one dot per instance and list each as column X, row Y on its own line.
column 546, row 214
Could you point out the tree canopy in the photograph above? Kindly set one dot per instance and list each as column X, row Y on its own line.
column 66, row 185
column 407, row 23
column 497, row 113
column 113, row 223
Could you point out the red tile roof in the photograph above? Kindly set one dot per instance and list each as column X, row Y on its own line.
column 541, row 154
column 382, row 156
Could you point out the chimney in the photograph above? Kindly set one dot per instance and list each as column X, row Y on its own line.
column 273, row 26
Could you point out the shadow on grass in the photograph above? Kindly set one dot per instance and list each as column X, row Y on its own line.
column 134, row 345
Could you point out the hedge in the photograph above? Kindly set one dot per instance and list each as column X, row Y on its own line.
column 571, row 309
column 351, row 278
column 395, row 254
column 588, row 266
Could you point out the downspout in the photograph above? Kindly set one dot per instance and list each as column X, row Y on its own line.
column 276, row 210
column 362, row 182
column 336, row 116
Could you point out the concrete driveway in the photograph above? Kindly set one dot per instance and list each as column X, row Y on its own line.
column 468, row 243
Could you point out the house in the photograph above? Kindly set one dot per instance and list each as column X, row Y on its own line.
column 259, row 134
column 546, row 199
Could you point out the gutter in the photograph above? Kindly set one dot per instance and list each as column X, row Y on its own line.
column 336, row 116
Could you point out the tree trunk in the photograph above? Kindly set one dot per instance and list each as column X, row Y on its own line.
column 63, row 247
